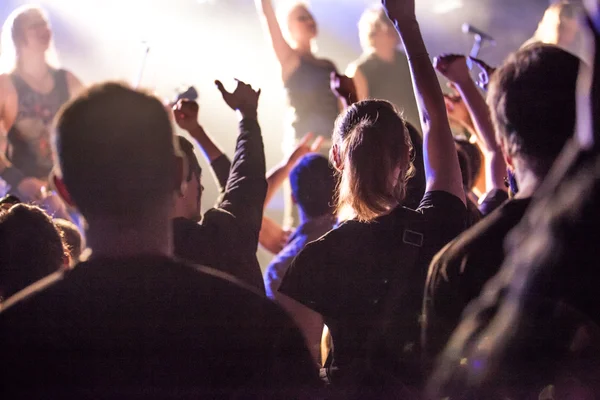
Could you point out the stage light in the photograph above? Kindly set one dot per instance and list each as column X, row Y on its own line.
column 446, row 6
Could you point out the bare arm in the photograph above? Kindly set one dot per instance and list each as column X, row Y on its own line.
column 287, row 57
column 454, row 67
column 8, row 115
column 186, row 117
column 278, row 174
column 442, row 170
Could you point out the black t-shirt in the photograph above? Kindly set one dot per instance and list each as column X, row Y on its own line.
column 346, row 274
column 458, row 273
column 492, row 200
column 149, row 325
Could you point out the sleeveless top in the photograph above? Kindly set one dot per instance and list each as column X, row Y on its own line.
column 391, row 82
column 29, row 141
column 312, row 105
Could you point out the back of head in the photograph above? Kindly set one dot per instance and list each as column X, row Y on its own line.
column 374, row 159
column 532, row 101
column 115, row 148
column 470, row 160
column 72, row 237
column 31, row 247
column 313, row 185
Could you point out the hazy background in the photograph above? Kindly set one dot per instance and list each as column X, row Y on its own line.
column 194, row 42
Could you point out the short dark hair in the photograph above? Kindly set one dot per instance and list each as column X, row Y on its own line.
column 532, row 101
column 313, row 185
column 116, row 151
column 470, row 160
column 193, row 165
column 31, row 247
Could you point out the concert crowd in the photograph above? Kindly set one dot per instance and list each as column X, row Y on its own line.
column 436, row 243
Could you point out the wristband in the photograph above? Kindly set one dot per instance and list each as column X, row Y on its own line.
column 13, row 177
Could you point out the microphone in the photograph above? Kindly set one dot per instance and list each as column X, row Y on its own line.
column 479, row 34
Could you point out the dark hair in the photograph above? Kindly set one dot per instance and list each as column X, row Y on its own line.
column 532, row 101
column 373, row 141
column 470, row 160
column 193, row 165
column 313, row 185
column 116, row 151
column 31, row 247
column 73, row 238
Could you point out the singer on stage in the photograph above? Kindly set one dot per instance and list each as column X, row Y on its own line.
column 313, row 108
column 382, row 72
column 32, row 89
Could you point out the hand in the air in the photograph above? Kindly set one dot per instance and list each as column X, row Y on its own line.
column 453, row 67
column 186, row 114
column 243, row 98
column 486, row 73
column 342, row 87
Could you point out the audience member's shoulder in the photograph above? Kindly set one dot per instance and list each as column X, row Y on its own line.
column 441, row 199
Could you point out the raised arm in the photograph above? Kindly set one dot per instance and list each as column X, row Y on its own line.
column 454, row 68
column 286, row 56
column 442, row 170
column 278, row 174
column 186, row 117
column 246, row 187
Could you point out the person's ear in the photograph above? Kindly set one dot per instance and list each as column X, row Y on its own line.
column 337, row 162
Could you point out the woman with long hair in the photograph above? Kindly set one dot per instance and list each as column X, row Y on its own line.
column 366, row 277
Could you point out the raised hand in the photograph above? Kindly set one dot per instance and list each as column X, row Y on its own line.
column 343, row 87
column 453, row 67
column 486, row 73
column 243, row 99
column 186, row 114
column 399, row 10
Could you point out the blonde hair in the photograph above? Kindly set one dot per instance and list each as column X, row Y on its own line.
column 10, row 35
column 548, row 30
column 373, row 143
column 372, row 20
column 283, row 17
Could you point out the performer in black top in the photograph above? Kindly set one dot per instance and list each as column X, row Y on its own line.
column 32, row 89
column 311, row 105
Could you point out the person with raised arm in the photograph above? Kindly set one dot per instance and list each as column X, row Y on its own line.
column 227, row 236
column 311, row 105
column 132, row 321
column 454, row 68
column 531, row 136
column 366, row 277
column 32, row 89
